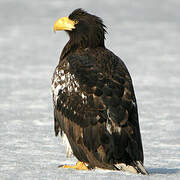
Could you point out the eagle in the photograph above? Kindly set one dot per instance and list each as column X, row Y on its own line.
column 95, row 107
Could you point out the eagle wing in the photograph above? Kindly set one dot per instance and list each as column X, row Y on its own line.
column 97, row 110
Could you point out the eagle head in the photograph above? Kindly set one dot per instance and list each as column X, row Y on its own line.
column 84, row 29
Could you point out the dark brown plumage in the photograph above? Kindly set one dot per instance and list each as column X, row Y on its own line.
column 94, row 100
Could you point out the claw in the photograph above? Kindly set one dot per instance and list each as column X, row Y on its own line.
column 79, row 166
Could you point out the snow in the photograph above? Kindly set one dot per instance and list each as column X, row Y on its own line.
column 144, row 34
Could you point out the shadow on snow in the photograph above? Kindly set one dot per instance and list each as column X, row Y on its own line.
column 163, row 170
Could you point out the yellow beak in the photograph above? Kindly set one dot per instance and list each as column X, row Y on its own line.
column 64, row 24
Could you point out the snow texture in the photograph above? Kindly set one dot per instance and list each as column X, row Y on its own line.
column 145, row 34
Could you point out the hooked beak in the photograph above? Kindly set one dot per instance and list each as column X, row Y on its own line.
column 64, row 24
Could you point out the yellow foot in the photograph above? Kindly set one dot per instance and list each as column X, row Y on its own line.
column 79, row 166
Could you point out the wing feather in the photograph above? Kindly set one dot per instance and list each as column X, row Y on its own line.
column 95, row 95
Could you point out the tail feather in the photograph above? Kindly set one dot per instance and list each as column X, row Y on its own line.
column 140, row 168
column 136, row 168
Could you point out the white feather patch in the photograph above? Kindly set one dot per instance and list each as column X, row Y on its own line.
column 124, row 167
column 65, row 82
column 108, row 125
column 65, row 140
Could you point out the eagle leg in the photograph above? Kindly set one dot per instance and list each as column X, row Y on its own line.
column 79, row 166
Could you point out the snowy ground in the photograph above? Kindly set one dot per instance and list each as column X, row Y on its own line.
column 145, row 34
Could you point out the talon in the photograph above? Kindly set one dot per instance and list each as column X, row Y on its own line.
column 79, row 166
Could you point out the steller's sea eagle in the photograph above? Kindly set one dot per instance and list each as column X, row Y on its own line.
column 94, row 102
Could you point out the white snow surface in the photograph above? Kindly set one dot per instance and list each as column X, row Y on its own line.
column 145, row 34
